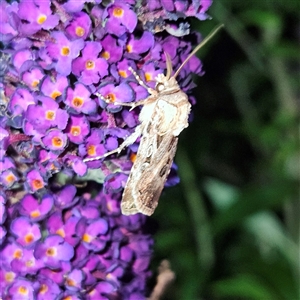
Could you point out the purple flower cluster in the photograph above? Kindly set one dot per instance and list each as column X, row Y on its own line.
column 61, row 230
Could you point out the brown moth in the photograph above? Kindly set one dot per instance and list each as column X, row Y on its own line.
column 163, row 116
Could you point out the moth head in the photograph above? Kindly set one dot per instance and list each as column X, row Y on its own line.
column 165, row 84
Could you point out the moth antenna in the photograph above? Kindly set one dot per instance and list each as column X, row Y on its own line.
column 101, row 97
column 169, row 65
column 198, row 48
column 139, row 80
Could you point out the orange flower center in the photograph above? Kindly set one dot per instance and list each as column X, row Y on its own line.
column 75, row 130
column 133, row 157
column 43, row 289
column 148, row 76
column 110, row 97
column 61, row 232
column 37, row 184
column 79, row 31
column 55, row 94
column 57, row 142
column 50, row 115
column 105, row 55
column 91, row 150
column 65, row 51
column 89, row 65
column 10, row 178
column 87, row 238
column 23, row 290
column 28, row 238
column 50, row 252
column 129, row 48
column 18, row 254
column 77, row 102
column 35, row 83
column 29, row 263
column 41, row 19
column 118, row 12
column 123, row 73
column 9, row 276
column 35, row 214
column 70, row 282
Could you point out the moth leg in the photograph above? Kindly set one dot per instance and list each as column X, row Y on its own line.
column 128, row 141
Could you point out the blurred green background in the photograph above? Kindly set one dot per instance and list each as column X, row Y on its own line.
column 231, row 228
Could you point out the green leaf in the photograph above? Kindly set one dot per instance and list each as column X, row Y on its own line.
column 244, row 286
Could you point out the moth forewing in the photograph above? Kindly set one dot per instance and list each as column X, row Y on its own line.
column 148, row 145
column 146, row 183
column 151, row 182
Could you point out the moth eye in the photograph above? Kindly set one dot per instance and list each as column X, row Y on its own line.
column 160, row 86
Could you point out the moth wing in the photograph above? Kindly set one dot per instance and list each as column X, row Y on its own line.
column 174, row 113
column 152, row 180
column 128, row 206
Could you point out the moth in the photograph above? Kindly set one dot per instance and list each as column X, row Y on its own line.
column 162, row 118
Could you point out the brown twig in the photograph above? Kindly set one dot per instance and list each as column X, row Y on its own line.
column 165, row 277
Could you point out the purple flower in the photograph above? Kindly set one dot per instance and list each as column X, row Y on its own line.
column 121, row 19
column 119, row 93
column 4, row 142
column 48, row 289
column 93, row 235
column 2, row 208
column 78, row 99
column 115, row 182
column 26, row 232
column 63, row 51
column 62, row 232
column 34, row 180
column 54, row 87
column 141, row 45
column 77, row 129
column 37, row 15
column 66, row 229
column 80, row 26
column 21, row 57
column 112, row 52
column 74, row 280
column 8, row 28
column 34, row 209
column 57, row 275
column 66, row 197
column 19, row 102
column 27, row 263
column 90, row 67
column 2, row 234
column 55, row 140
column 8, row 178
column 21, row 289
column 53, row 250
column 33, row 77
column 47, row 115
column 94, row 144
